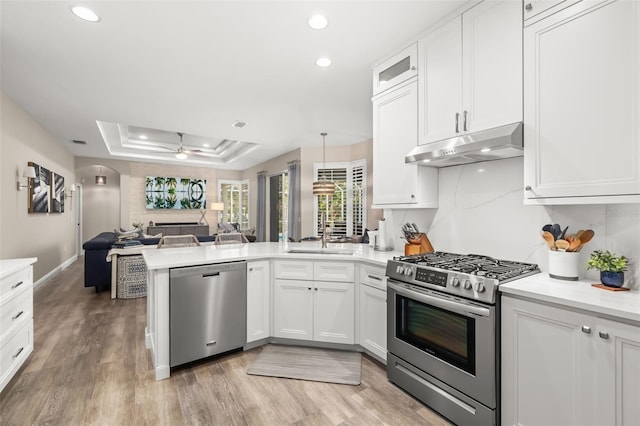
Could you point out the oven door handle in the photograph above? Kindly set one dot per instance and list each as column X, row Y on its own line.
column 439, row 302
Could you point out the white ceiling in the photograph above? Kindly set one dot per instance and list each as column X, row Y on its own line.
column 198, row 66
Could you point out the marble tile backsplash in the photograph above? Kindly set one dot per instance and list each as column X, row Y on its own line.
column 481, row 211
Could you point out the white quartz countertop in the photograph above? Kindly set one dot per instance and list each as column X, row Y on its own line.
column 9, row 266
column 208, row 254
column 577, row 295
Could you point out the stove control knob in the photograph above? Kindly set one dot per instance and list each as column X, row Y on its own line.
column 408, row 271
column 467, row 284
column 455, row 282
column 399, row 269
column 479, row 287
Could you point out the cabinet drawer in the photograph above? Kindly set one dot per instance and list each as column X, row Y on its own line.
column 332, row 271
column 14, row 312
column 14, row 351
column 293, row 270
column 373, row 276
column 16, row 283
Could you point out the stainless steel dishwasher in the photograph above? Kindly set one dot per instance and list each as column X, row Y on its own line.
column 208, row 310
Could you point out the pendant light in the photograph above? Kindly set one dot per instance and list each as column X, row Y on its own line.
column 101, row 179
column 323, row 186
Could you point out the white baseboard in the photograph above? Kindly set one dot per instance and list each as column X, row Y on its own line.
column 64, row 265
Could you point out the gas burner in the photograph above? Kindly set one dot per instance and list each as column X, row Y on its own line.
column 472, row 276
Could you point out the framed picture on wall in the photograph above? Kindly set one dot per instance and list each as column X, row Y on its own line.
column 57, row 194
column 39, row 191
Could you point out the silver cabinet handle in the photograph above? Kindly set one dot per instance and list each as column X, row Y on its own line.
column 17, row 285
column 457, row 117
column 413, row 68
column 211, row 343
column 17, row 315
column 527, row 188
column 586, row 329
column 18, row 353
column 308, row 288
column 373, row 277
column 464, row 122
column 603, row 335
column 528, row 7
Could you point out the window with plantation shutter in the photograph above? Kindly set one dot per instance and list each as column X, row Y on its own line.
column 234, row 194
column 345, row 211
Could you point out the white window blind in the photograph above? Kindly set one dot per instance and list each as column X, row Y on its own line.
column 235, row 197
column 345, row 211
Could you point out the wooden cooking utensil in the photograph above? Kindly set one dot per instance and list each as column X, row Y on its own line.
column 574, row 244
column 585, row 237
column 562, row 245
column 548, row 237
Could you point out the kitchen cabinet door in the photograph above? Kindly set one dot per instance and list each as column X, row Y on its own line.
column 395, row 133
column 400, row 67
column 582, row 105
column 373, row 320
column 258, row 300
column 333, row 312
column 492, row 65
column 440, row 82
column 293, row 309
column 470, row 72
column 548, row 365
column 618, row 368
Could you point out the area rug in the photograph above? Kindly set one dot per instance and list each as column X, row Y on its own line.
column 315, row 364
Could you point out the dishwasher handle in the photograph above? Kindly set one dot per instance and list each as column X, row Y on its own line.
column 212, row 274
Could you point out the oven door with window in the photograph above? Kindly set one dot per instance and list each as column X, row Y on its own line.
column 449, row 338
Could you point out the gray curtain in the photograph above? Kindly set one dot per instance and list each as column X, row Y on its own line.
column 261, row 218
column 293, row 227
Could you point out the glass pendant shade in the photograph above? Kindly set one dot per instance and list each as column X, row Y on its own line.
column 101, row 179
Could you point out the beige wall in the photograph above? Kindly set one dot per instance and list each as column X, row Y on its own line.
column 136, row 189
column 49, row 237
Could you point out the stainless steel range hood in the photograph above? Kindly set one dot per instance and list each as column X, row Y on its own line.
column 492, row 144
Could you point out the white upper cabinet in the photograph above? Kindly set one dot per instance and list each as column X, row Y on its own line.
column 400, row 67
column 395, row 133
column 470, row 72
column 582, row 105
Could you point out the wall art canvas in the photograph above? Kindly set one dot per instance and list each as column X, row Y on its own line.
column 175, row 193
column 57, row 194
column 39, row 190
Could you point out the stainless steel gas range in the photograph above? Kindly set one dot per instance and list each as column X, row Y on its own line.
column 444, row 331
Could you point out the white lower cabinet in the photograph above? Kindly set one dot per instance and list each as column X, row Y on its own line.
column 306, row 309
column 16, row 316
column 373, row 320
column 564, row 367
column 372, row 298
column 258, row 300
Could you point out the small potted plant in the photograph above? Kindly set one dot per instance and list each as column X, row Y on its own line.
column 611, row 267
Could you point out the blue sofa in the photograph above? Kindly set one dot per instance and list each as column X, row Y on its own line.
column 97, row 271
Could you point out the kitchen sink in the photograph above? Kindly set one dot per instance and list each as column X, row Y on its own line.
column 319, row 251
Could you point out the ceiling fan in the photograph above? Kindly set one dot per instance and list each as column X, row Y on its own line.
column 181, row 153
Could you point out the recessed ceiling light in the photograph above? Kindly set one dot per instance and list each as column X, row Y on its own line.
column 426, row 161
column 143, row 137
column 485, row 150
column 480, row 170
column 206, row 145
column 318, row 22
column 323, row 62
column 85, row 13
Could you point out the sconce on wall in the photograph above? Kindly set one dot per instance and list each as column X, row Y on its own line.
column 69, row 193
column 29, row 173
column 101, row 179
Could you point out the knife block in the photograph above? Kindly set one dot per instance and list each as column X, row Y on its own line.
column 418, row 246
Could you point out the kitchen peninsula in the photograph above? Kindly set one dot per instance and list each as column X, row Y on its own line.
column 351, row 257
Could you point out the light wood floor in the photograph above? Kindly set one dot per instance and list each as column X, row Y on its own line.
column 90, row 366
